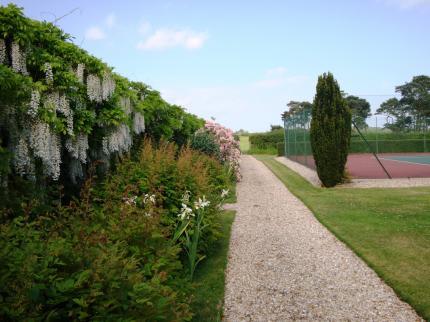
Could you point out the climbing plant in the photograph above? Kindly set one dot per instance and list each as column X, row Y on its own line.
column 61, row 109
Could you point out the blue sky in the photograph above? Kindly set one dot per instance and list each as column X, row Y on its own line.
column 242, row 61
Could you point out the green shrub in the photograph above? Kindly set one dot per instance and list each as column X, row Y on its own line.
column 110, row 255
column 266, row 140
column 330, row 131
column 204, row 141
column 281, row 149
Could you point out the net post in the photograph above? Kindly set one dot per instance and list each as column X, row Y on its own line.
column 370, row 148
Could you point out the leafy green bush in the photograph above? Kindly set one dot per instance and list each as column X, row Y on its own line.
column 266, row 140
column 330, row 131
column 204, row 141
column 111, row 255
column 281, row 149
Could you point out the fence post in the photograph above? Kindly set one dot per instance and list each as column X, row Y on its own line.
column 285, row 137
column 377, row 143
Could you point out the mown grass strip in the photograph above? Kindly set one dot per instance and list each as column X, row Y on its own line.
column 388, row 228
column 210, row 275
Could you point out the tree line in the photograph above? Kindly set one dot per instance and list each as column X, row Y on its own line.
column 410, row 112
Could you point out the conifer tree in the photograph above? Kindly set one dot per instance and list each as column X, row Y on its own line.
column 330, row 131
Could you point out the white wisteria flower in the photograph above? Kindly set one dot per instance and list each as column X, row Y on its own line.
column 94, row 88
column 108, row 86
column 46, row 145
column 2, row 51
column 22, row 160
column 19, row 64
column 138, row 123
column 34, row 103
column 201, row 203
column 79, row 72
column 49, row 75
column 186, row 212
column 125, row 103
column 224, row 193
column 78, row 147
column 118, row 141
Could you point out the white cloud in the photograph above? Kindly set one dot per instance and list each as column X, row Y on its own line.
column 95, row 33
column 407, row 4
column 110, row 20
column 144, row 27
column 276, row 71
column 277, row 76
column 167, row 38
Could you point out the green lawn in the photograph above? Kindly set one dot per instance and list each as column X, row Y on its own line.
column 244, row 143
column 388, row 228
column 209, row 296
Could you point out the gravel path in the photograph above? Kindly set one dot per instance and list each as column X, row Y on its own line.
column 312, row 177
column 284, row 265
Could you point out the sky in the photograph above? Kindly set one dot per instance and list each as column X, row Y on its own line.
column 241, row 62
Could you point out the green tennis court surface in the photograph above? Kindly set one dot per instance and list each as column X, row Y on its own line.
column 418, row 159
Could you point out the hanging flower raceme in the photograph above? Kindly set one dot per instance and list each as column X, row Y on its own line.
column 138, row 123
column 34, row 103
column 78, row 147
column 19, row 64
column 79, row 72
column 125, row 104
column 22, row 160
column 94, row 88
column 49, row 75
column 108, row 86
column 2, row 51
column 118, row 141
column 46, row 145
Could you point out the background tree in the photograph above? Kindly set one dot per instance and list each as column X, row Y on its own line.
column 412, row 110
column 296, row 108
column 275, row 127
column 330, row 131
column 360, row 110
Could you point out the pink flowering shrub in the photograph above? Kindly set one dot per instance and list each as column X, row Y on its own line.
column 229, row 147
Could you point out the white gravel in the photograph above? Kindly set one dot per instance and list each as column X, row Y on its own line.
column 284, row 265
column 312, row 177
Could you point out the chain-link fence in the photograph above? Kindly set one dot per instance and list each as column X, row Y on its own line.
column 297, row 137
column 400, row 149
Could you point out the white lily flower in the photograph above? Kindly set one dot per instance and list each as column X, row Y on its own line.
column 224, row 193
column 201, row 203
column 186, row 212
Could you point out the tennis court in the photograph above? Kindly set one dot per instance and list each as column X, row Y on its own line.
column 365, row 165
column 404, row 165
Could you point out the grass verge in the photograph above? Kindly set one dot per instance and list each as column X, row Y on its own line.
column 244, row 143
column 388, row 228
column 209, row 296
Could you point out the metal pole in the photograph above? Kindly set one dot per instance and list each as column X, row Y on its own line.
column 285, row 138
column 377, row 143
column 370, row 148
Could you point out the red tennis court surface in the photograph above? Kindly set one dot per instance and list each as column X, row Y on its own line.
column 365, row 166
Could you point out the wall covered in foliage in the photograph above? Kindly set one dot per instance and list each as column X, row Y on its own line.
column 61, row 109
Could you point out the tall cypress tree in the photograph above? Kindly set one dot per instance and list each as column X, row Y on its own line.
column 330, row 131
